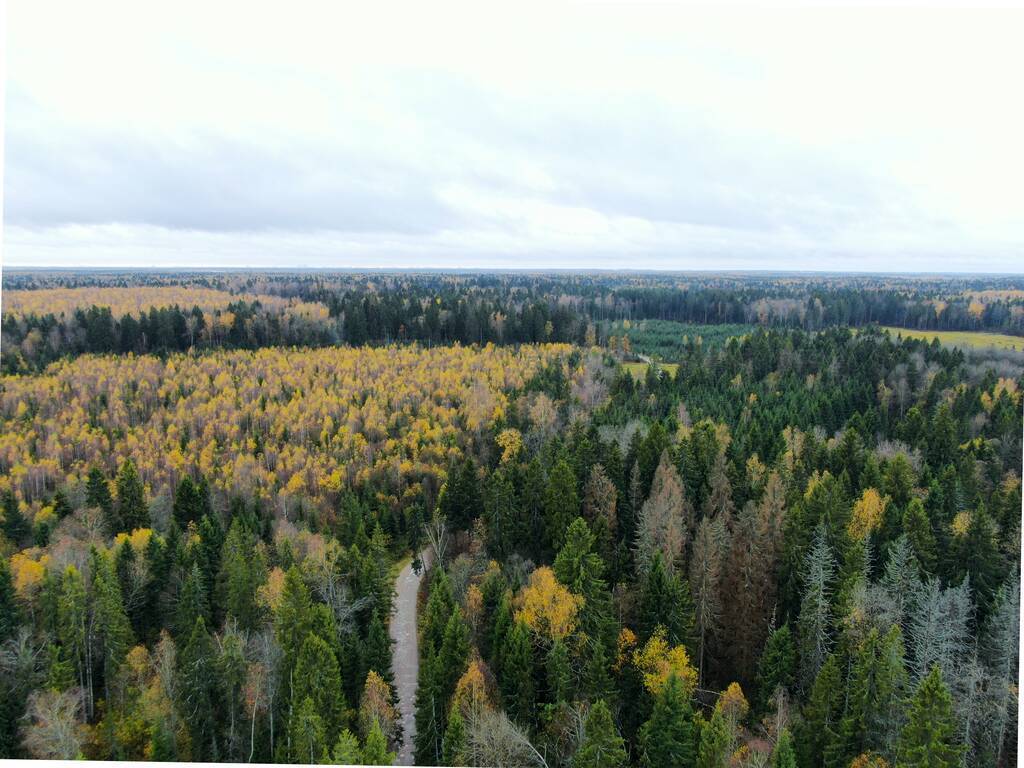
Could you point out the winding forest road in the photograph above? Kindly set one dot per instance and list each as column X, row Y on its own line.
column 405, row 659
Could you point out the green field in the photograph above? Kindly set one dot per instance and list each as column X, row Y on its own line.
column 964, row 339
column 639, row 370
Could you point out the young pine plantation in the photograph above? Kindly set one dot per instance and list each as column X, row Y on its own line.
column 795, row 547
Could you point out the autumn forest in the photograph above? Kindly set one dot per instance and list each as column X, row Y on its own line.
column 521, row 519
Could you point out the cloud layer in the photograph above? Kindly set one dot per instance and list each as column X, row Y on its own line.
column 584, row 136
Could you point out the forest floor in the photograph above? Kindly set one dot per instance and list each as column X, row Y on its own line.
column 405, row 658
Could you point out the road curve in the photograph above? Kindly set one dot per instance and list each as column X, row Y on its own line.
column 405, row 659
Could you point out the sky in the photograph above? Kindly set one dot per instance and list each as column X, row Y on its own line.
column 585, row 136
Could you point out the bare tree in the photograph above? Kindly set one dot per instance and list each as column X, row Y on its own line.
column 55, row 730
column 493, row 739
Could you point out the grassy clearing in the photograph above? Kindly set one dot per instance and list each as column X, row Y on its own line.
column 963, row 339
column 639, row 370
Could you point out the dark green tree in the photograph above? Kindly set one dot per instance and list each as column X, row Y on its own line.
column 130, row 510
column 601, row 746
column 561, row 504
column 667, row 738
column 929, row 739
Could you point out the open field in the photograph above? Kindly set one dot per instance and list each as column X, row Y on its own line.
column 965, row 339
column 639, row 370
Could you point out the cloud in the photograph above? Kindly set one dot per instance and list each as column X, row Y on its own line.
column 576, row 136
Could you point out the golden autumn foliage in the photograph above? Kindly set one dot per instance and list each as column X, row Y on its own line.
column 867, row 514
column 276, row 423
column 961, row 523
column 473, row 693
column 624, row 645
column 27, row 569
column 657, row 660
column 869, row 760
column 269, row 595
column 511, row 442
column 547, row 607
column 140, row 299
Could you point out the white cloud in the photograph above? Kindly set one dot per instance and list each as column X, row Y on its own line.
column 566, row 135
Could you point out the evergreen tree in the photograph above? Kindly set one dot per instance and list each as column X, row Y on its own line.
column 517, row 689
column 715, row 739
column 130, row 511
column 453, row 748
column 192, row 603
column 816, row 608
column 919, row 534
column 819, row 729
column 292, row 626
column 375, row 750
column 242, row 572
column 777, row 666
column 665, row 601
column 783, row 755
column 318, row 678
column 113, row 631
column 460, row 501
column 876, row 693
column 97, row 494
column 377, row 650
column 929, row 738
column 10, row 612
column 601, row 745
column 500, row 511
column 667, row 738
column 197, row 691
column 16, row 527
column 306, row 742
column 561, row 504
column 346, row 749
column 559, row 673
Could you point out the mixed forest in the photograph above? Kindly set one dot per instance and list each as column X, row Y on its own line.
column 698, row 521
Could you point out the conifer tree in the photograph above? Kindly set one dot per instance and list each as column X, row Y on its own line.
column 929, row 738
column 500, row 512
column 919, row 534
column 783, row 755
column 130, row 510
column 292, row 625
column 819, row 729
column 559, row 673
column 192, row 603
column 242, row 572
column 97, row 494
column 375, row 750
column 306, row 742
column 517, row 688
column 667, row 738
column 453, row 748
column 10, row 612
column 377, row 649
column 561, row 504
column 816, row 608
column 15, row 527
column 715, row 739
column 777, row 666
column 197, row 690
column 346, row 749
column 601, row 746
column 113, row 631
column 318, row 678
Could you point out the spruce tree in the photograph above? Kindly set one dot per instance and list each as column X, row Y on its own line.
column 306, row 740
column 783, row 755
column 715, row 739
column 10, row 612
column 819, row 729
column 601, row 746
column 375, row 750
column 16, row 527
column 377, row 650
column 777, row 666
column 318, row 678
column 97, row 494
column 192, row 603
column 346, row 749
column 130, row 511
column 197, row 691
column 929, row 739
column 516, row 682
column 667, row 738
column 561, row 504
column 453, row 748
column 559, row 673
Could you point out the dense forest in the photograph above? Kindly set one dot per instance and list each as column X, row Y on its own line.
column 798, row 546
column 47, row 315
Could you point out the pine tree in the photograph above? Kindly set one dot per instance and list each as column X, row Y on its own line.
column 816, row 608
column 561, row 504
column 375, row 750
column 453, row 748
column 929, row 737
column 192, row 603
column 517, row 688
column 16, row 527
column 919, row 534
column 715, row 739
column 377, row 649
column 346, row 749
column 601, row 746
column 819, row 729
column 667, row 738
column 783, row 755
column 500, row 512
column 777, row 666
column 242, row 572
column 97, row 494
column 306, row 735
column 10, row 612
column 197, row 691
column 130, row 511
column 318, row 678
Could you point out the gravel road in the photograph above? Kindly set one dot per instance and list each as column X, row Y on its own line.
column 405, row 660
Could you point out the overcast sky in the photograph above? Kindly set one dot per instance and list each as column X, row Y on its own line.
column 604, row 136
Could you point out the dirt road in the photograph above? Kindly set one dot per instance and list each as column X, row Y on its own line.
column 405, row 659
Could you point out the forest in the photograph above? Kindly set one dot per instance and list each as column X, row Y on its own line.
column 799, row 545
